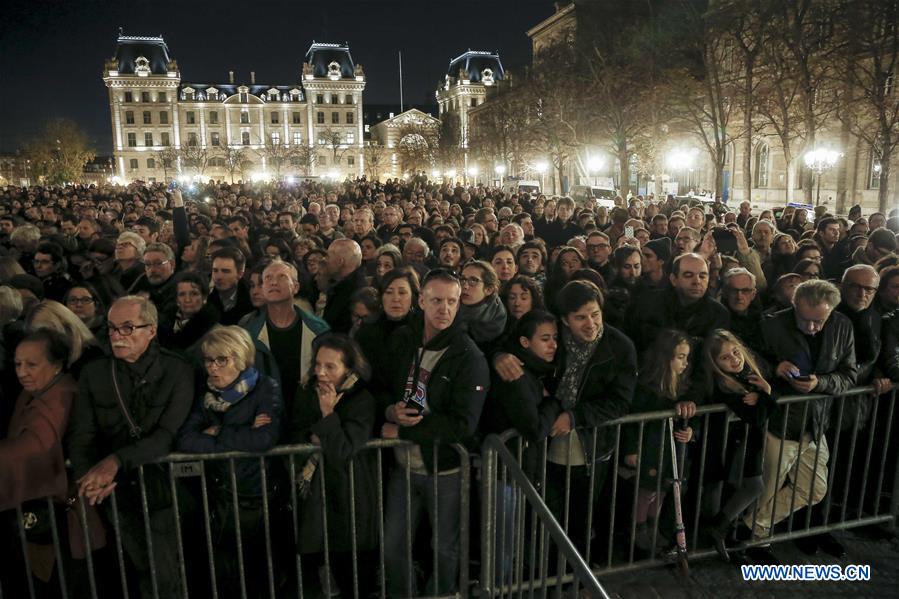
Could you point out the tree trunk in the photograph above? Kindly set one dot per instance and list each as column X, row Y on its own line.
column 747, row 143
column 624, row 169
column 883, row 193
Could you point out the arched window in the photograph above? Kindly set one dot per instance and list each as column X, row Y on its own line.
column 761, row 165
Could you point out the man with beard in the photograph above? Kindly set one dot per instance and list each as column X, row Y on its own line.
column 627, row 262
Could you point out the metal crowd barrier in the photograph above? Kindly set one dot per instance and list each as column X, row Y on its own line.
column 516, row 556
column 109, row 573
column 544, row 527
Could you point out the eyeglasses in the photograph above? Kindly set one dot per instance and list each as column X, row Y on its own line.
column 865, row 288
column 470, row 281
column 740, row 291
column 159, row 264
column 595, row 246
column 80, row 301
column 42, row 262
column 126, row 329
column 219, row 361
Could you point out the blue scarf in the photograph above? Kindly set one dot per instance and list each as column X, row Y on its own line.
column 219, row 400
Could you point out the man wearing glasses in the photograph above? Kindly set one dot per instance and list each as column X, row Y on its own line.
column 130, row 406
column 50, row 267
column 157, row 282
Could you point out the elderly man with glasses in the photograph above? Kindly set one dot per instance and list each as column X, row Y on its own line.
column 129, row 409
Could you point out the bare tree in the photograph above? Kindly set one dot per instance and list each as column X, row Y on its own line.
column 374, row 155
column 233, row 157
column 872, row 45
column 450, row 154
column 167, row 159
column 499, row 131
column 194, row 158
column 305, row 158
column 276, row 156
column 335, row 142
column 416, row 147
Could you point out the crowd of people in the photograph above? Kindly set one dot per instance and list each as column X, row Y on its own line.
column 142, row 320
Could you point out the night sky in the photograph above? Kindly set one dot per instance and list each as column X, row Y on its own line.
column 52, row 53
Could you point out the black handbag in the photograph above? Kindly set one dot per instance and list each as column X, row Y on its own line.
column 36, row 520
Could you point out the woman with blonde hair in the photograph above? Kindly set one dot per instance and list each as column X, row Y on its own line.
column 9, row 267
column 738, row 382
column 83, row 346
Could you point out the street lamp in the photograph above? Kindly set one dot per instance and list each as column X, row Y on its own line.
column 500, row 170
column 542, row 167
column 594, row 163
column 473, row 173
column 681, row 159
column 451, row 175
column 819, row 161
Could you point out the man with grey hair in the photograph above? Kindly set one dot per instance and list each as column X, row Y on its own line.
column 813, row 348
column 129, row 408
column 738, row 294
column 345, row 275
column 417, row 254
column 157, row 282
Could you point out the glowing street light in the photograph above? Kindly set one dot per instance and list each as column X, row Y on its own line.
column 473, row 171
column 451, row 174
column 541, row 167
column 680, row 159
column 434, row 174
column 594, row 163
column 500, row 169
column 819, row 161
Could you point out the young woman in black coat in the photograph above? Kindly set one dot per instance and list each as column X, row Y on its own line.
column 335, row 411
column 738, row 382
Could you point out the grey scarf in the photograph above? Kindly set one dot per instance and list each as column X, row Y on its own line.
column 577, row 355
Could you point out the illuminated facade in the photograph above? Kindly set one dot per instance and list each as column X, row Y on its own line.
column 164, row 127
column 465, row 86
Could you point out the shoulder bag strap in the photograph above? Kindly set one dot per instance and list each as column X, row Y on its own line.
column 132, row 426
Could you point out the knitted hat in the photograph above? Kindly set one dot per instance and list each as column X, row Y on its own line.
column 661, row 247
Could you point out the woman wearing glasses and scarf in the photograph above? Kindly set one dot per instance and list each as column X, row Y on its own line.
column 239, row 410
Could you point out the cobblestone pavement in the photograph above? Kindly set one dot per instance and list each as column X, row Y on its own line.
column 713, row 578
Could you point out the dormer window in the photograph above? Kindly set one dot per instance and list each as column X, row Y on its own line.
column 212, row 93
column 188, row 93
column 487, row 76
column 141, row 66
column 273, row 95
column 295, row 95
column 334, row 70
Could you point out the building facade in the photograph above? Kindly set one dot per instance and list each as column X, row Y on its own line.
column 409, row 140
column 165, row 127
column 465, row 87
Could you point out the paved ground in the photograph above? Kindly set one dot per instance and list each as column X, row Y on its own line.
column 714, row 579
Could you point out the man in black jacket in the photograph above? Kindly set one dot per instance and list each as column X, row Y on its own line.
column 813, row 348
column 231, row 294
column 434, row 399
column 345, row 275
column 127, row 414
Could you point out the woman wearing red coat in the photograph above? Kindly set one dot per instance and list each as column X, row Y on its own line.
column 32, row 465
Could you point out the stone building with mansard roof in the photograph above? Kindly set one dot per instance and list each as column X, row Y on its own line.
column 154, row 110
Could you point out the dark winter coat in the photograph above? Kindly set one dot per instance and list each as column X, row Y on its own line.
column 456, row 389
column 191, row 333
column 337, row 309
column 836, row 368
column 606, row 389
column 342, row 434
column 242, row 306
column 236, row 434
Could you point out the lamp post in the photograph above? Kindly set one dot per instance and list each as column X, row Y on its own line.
column 473, row 173
column 542, row 167
column 451, row 175
column 819, row 161
column 594, row 163
column 680, row 159
column 500, row 170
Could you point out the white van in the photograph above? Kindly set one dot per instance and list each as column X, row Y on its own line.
column 522, row 186
column 601, row 196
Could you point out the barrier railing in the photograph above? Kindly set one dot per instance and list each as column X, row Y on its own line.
column 252, row 525
column 187, row 527
column 840, row 481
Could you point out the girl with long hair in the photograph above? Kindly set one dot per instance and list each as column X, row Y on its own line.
column 738, row 382
column 662, row 383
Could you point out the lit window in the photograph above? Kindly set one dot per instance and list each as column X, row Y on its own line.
column 214, row 138
column 761, row 165
column 297, row 138
column 276, row 139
